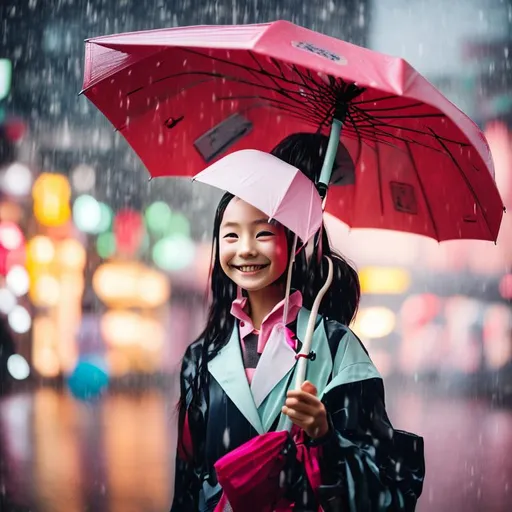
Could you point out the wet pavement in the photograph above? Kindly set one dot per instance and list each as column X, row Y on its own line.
column 62, row 455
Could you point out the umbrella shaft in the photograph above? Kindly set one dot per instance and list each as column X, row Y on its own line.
column 330, row 156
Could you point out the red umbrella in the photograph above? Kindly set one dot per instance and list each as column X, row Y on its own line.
column 183, row 97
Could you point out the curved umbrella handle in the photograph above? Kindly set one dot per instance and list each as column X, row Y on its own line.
column 306, row 346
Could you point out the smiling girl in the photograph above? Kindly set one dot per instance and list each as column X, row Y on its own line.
column 232, row 390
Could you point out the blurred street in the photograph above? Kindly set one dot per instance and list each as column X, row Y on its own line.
column 117, row 455
column 103, row 272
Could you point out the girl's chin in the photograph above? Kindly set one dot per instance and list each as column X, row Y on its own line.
column 253, row 281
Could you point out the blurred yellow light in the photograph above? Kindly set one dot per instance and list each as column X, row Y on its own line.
column 71, row 254
column 126, row 328
column 118, row 363
column 384, row 280
column 45, row 291
column 44, row 355
column 49, row 184
column 125, row 284
column 73, row 283
column 46, row 362
column 375, row 322
column 51, row 193
column 52, row 213
column 40, row 250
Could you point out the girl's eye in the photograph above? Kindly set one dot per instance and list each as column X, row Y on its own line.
column 230, row 235
column 265, row 233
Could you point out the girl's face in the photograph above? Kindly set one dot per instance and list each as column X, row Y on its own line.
column 252, row 252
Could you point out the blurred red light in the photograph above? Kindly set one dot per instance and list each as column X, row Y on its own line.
column 506, row 286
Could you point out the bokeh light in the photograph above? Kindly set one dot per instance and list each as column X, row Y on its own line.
column 83, row 178
column 40, row 250
column 19, row 320
column 121, row 328
column 45, row 291
column 11, row 236
column 106, row 245
column 158, row 217
column 17, row 179
column 17, row 280
column 375, row 322
column 129, row 231
column 174, row 253
column 7, row 301
column 71, row 254
column 51, row 193
column 18, row 367
column 179, row 225
column 384, row 280
column 89, row 379
column 130, row 284
column 87, row 214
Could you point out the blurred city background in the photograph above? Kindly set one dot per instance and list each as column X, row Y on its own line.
column 103, row 273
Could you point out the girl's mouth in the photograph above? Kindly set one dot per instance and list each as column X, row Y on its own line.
column 249, row 269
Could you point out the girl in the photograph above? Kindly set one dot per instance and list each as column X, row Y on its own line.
column 365, row 464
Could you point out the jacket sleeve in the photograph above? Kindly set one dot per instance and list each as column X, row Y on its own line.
column 366, row 464
column 187, row 471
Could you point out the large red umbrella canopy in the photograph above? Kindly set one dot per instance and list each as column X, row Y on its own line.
column 183, row 97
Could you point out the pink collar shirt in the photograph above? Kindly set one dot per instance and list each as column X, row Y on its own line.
column 273, row 318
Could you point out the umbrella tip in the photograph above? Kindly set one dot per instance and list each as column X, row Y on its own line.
column 81, row 92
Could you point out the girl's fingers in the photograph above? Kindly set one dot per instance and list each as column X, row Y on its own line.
column 309, row 387
column 297, row 417
column 303, row 396
column 304, row 408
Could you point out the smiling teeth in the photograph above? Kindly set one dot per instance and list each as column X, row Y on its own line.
column 250, row 268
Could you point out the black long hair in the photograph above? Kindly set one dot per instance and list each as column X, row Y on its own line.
column 304, row 151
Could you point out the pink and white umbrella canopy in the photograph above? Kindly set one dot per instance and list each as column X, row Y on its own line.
column 274, row 187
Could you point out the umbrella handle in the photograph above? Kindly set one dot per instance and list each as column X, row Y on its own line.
column 306, row 346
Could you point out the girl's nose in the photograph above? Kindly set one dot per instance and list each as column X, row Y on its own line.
column 247, row 249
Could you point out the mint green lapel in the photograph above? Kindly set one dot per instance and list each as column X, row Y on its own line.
column 351, row 363
column 227, row 368
column 318, row 372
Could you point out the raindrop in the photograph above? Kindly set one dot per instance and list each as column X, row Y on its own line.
column 226, row 438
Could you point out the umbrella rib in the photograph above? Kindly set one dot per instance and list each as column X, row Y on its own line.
column 279, row 104
column 465, row 178
column 240, row 66
column 401, row 107
column 255, row 72
column 413, row 116
column 266, row 73
column 375, row 100
column 422, row 188
column 368, row 138
column 382, row 133
column 317, row 94
column 376, row 125
column 368, row 133
column 371, row 118
column 360, row 144
column 377, row 149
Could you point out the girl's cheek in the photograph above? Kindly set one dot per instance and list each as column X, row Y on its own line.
column 280, row 253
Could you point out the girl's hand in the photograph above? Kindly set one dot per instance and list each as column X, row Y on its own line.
column 307, row 411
